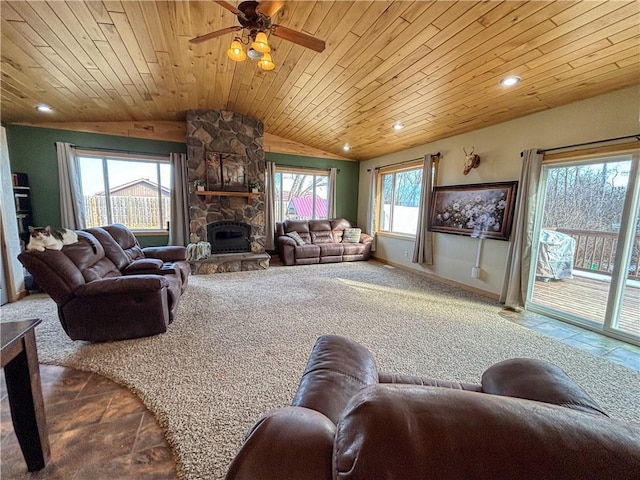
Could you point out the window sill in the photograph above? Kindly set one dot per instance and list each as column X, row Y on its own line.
column 399, row 236
column 149, row 233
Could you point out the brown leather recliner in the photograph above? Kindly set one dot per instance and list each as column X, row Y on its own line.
column 95, row 301
column 323, row 242
column 527, row 419
column 122, row 248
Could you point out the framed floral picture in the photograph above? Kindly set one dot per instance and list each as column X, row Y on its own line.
column 483, row 210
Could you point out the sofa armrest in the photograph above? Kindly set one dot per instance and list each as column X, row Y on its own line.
column 285, row 240
column 365, row 238
column 537, row 380
column 169, row 253
column 460, row 435
column 143, row 265
column 130, row 284
column 289, row 443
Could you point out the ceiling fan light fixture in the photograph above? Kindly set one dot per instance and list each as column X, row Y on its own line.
column 235, row 52
column 265, row 62
column 254, row 54
column 260, row 43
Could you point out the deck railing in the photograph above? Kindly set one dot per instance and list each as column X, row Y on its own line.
column 595, row 251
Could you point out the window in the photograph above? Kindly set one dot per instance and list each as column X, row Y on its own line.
column 400, row 200
column 301, row 194
column 133, row 190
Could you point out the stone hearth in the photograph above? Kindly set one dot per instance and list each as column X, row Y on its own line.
column 230, row 262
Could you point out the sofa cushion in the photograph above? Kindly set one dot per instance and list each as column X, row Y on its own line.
column 322, row 237
column 457, row 434
column 331, row 249
column 308, row 250
column 353, row 248
column 351, row 235
column 296, row 237
column 300, row 226
column 320, row 231
column 126, row 239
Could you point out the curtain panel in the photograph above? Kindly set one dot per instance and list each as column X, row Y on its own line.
column 179, row 223
column 333, row 176
column 423, row 248
column 72, row 213
column 270, row 207
column 516, row 281
column 370, row 227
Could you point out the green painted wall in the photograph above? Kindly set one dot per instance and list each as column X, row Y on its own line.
column 347, row 184
column 32, row 151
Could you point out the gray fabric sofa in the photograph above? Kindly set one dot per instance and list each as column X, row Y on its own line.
column 323, row 242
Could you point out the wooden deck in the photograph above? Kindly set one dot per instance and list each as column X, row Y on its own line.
column 587, row 297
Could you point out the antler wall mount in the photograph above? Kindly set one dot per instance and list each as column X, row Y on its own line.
column 471, row 161
column 255, row 17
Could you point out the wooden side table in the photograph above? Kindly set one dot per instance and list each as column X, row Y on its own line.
column 20, row 363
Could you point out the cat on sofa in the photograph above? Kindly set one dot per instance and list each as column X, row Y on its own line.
column 46, row 238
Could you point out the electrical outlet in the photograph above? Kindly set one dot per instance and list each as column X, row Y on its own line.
column 406, row 254
column 475, row 272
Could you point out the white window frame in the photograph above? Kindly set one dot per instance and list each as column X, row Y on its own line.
column 105, row 156
column 393, row 170
column 282, row 170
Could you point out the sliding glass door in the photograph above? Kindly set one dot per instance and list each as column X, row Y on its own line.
column 585, row 261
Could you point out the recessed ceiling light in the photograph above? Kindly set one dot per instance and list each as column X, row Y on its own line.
column 510, row 81
column 44, row 108
column 346, row 147
column 398, row 126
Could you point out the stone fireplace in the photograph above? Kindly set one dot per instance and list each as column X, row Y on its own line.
column 213, row 134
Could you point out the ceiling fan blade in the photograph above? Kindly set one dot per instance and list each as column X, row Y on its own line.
column 298, row 37
column 230, row 7
column 269, row 8
column 217, row 33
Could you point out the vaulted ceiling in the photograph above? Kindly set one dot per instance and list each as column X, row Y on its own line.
column 434, row 66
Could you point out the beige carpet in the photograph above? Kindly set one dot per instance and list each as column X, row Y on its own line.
column 241, row 340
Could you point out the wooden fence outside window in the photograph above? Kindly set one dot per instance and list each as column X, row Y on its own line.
column 137, row 213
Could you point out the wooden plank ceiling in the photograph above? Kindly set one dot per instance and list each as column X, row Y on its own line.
column 434, row 66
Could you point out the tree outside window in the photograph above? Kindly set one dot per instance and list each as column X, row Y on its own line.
column 301, row 196
column 400, row 192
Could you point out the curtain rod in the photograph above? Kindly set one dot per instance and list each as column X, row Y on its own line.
column 116, row 150
column 298, row 166
column 543, row 151
column 437, row 154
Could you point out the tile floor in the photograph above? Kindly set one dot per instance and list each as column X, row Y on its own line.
column 592, row 342
column 97, row 430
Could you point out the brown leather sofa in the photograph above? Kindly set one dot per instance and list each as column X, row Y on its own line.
column 526, row 420
column 323, row 242
column 97, row 301
column 122, row 248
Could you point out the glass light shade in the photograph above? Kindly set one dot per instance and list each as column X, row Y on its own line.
column 261, row 44
column 254, row 54
column 265, row 62
column 235, row 52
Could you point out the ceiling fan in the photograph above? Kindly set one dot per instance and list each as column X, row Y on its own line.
column 256, row 18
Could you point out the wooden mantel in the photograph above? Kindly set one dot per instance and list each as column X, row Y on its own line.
column 208, row 193
column 176, row 131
